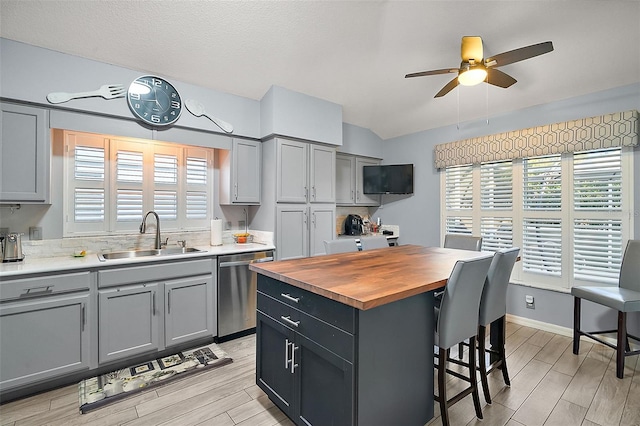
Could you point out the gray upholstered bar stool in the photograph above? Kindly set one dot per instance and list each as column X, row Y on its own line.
column 457, row 320
column 340, row 246
column 493, row 307
column 462, row 242
column 624, row 298
column 369, row 243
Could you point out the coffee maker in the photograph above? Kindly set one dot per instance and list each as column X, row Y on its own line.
column 12, row 248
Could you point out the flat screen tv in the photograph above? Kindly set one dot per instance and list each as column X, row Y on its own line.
column 389, row 179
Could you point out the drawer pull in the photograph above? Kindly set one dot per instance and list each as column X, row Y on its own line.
column 293, row 357
column 288, row 320
column 289, row 297
column 286, row 353
column 37, row 291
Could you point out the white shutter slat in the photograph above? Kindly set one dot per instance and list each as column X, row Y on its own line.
column 542, row 188
column 542, row 246
column 496, row 186
column 459, row 225
column 165, row 169
column 459, row 187
column 129, row 166
column 597, row 250
column 497, row 233
column 89, row 205
column 196, row 205
column 597, row 180
column 165, row 204
column 89, row 163
column 128, row 205
column 196, row 171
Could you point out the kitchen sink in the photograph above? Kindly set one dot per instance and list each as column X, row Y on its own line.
column 133, row 254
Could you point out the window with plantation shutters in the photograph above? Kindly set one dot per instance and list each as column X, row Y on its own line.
column 597, row 226
column 110, row 183
column 570, row 214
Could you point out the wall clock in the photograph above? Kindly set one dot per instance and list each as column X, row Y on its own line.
column 154, row 100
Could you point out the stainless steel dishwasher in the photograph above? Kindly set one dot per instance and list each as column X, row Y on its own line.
column 237, row 292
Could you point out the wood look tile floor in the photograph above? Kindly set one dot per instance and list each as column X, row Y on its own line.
column 549, row 386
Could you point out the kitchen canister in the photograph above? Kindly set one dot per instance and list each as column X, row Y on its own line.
column 216, row 232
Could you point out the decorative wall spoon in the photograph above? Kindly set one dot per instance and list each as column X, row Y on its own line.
column 197, row 109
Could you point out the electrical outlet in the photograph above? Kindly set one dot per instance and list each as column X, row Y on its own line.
column 530, row 302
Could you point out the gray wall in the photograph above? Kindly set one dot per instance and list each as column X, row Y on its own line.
column 419, row 215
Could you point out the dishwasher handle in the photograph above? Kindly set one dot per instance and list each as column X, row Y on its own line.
column 245, row 262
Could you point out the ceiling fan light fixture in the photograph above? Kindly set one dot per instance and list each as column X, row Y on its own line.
column 472, row 76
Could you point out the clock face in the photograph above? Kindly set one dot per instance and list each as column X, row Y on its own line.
column 154, row 100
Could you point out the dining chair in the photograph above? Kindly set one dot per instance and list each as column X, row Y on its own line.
column 456, row 320
column 624, row 298
column 340, row 246
column 378, row 241
column 493, row 307
column 462, row 242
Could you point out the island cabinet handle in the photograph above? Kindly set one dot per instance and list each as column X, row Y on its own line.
column 294, row 348
column 286, row 353
column 288, row 320
column 83, row 317
column 289, row 297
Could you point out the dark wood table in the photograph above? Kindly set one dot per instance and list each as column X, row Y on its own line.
column 348, row 338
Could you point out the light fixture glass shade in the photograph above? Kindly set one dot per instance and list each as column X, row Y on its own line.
column 472, row 76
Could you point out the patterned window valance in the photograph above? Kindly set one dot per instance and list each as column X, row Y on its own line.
column 605, row 131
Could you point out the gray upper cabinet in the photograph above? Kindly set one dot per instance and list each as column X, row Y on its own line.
column 349, row 181
column 302, row 229
column 345, row 179
column 292, row 173
column 240, row 173
column 24, row 154
column 305, row 172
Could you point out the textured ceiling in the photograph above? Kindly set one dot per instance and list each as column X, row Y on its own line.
column 354, row 53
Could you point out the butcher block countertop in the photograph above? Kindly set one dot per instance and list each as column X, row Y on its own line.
column 370, row 278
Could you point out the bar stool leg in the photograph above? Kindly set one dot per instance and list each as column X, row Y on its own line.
column 503, row 354
column 473, row 378
column 576, row 325
column 442, row 386
column 482, row 361
column 622, row 339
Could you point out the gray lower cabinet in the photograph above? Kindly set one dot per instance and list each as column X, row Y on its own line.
column 306, row 380
column 44, row 331
column 128, row 321
column 188, row 313
column 152, row 307
column 24, row 154
column 301, row 229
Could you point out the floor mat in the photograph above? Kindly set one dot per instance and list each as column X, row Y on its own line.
column 107, row 388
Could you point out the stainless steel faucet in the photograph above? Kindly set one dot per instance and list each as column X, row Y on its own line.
column 143, row 228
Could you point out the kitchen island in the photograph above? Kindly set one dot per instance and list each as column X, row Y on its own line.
column 347, row 339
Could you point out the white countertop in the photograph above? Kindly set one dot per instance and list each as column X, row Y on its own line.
column 31, row 265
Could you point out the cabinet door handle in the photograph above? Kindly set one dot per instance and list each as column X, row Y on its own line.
column 83, row 317
column 290, row 297
column 153, row 304
column 352, row 195
column 289, row 321
column 294, row 348
column 357, row 195
column 235, row 190
column 286, row 353
column 306, row 193
column 306, row 221
column 169, row 302
column 314, row 193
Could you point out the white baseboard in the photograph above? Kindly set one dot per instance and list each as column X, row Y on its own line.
column 544, row 326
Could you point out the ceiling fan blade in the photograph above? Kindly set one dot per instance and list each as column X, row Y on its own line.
column 446, row 89
column 433, row 72
column 520, row 54
column 471, row 49
column 498, row 78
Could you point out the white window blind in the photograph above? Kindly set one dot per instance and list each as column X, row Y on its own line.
column 165, row 169
column 89, row 205
column 196, row 171
column 129, row 166
column 129, row 205
column 497, row 233
column 459, row 187
column 598, row 250
column 459, row 225
column 597, row 180
column 196, row 205
column 542, row 189
column 496, row 185
column 542, row 246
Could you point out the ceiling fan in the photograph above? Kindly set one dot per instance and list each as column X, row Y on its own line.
column 474, row 68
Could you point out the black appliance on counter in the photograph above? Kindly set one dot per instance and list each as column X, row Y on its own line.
column 353, row 225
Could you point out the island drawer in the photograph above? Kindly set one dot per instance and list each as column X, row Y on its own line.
column 44, row 285
column 326, row 335
column 330, row 311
